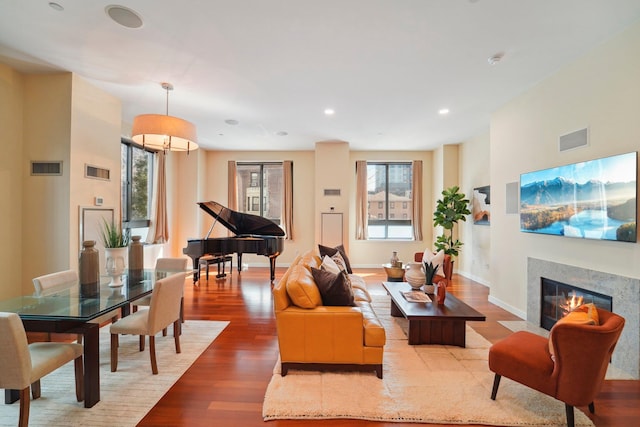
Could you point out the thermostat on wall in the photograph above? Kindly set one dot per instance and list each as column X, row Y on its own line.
column 98, row 201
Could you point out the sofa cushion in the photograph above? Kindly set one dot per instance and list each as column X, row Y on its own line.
column 374, row 334
column 334, row 288
column 330, row 265
column 326, row 250
column 359, row 288
column 310, row 259
column 301, row 287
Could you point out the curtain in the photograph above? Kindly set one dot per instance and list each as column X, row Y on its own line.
column 232, row 202
column 361, row 200
column 416, row 185
column 287, row 206
column 159, row 226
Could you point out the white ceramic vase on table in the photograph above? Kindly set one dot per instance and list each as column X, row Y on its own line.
column 414, row 274
column 115, row 264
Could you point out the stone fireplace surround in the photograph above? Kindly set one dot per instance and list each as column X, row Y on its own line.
column 626, row 302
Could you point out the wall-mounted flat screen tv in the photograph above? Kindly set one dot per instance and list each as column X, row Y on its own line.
column 595, row 199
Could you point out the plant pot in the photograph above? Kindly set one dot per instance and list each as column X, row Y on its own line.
column 429, row 289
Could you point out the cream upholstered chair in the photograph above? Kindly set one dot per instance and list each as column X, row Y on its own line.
column 163, row 311
column 22, row 364
column 167, row 265
column 52, row 283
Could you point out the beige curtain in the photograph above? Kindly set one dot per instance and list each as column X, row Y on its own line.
column 159, row 227
column 232, row 202
column 416, row 185
column 287, row 206
column 361, row 200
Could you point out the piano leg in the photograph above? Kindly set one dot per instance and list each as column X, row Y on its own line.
column 239, row 262
column 196, row 269
column 272, row 267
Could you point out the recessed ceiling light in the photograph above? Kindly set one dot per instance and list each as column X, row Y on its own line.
column 494, row 59
column 329, row 111
column 56, row 6
column 282, row 133
column 124, row 16
column 443, row 111
column 231, row 122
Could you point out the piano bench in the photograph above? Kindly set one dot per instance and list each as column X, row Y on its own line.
column 206, row 262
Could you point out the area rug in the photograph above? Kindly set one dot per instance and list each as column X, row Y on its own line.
column 423, row 384
column 126, row 395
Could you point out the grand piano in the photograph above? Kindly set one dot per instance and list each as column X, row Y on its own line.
column 253, row 234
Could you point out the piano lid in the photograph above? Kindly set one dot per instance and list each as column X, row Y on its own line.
column 241, row 223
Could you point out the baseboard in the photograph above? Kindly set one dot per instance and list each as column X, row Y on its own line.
column 521, row 314
column 475, row 278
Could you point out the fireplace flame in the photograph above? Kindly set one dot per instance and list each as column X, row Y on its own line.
column 573, row 302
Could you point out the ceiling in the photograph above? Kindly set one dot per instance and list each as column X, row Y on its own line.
column 385, row 66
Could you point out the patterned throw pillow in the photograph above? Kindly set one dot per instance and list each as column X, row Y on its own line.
column 329, row 264
column 326, row 250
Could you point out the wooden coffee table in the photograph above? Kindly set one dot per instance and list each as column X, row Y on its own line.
column 430, row 323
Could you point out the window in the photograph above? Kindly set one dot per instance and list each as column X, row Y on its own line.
column 261, row 185
column 389, row 186
column 136, row 171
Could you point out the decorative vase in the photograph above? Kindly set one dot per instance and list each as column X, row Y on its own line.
column 441, row 292
column 136, row 259
column 115, row 260
column 429, row 288
column 89, row 270
column 395, row 261
column 414, row 274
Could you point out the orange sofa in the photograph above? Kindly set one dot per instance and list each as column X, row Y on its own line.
column 312, row 336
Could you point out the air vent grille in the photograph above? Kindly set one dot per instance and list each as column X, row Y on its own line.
column 579, row 138
column 46, row 168
column 331, row 191
column 96, row 172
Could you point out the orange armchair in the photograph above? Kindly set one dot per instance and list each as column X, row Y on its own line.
column 582, row 353
column 447, row 266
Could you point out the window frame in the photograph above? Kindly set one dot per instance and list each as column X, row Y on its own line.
column 126, row 199
column 386, row 220
column 262, row 200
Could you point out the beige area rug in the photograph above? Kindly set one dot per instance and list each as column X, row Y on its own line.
column 126, row 395
column 425, row 384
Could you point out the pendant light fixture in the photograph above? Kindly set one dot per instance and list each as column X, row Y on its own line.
column 166, row 132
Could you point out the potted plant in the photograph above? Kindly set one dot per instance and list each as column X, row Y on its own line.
column 115, row 243
column 453, row 207
column 429, row 271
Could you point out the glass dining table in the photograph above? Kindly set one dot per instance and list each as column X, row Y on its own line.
column 71, row 311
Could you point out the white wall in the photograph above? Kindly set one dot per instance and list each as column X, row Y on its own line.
column 601, row 90
column 474, row 261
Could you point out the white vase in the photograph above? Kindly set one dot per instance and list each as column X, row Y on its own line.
column 115, row 264
column 415, row 274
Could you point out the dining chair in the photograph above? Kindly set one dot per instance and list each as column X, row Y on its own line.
column 23, row 364
column 52, row 283
column 168, row 265
column 163, row 311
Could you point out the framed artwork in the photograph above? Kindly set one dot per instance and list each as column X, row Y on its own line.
column 595, row 199
column 481, row 205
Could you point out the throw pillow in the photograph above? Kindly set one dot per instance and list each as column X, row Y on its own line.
column 326, row 250
column 582, row 315
column 334, row 288
column 330, row 265
column 435, row 259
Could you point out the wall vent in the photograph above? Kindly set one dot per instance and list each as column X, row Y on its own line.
column 331, row 191
column 46, row 168
column 579, row 138
column 96, row 172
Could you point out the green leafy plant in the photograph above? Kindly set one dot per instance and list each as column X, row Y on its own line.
column 453, row 207
column 113, row 236
column 430, row 270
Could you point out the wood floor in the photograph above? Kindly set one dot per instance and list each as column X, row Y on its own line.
column 226, row 385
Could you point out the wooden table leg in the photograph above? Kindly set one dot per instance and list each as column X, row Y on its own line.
column 91, row 340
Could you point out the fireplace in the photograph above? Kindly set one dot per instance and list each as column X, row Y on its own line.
column 558, row 299
column 624, row 290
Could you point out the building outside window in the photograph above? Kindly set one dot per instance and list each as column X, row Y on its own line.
column 389, row 186
column 261, row 185
column 136, row 169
